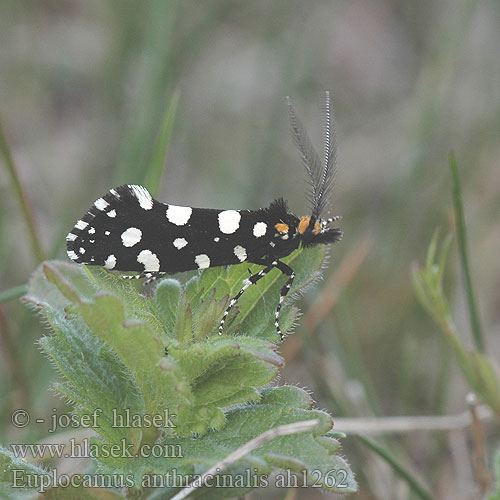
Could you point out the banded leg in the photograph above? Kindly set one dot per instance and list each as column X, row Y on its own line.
column 256, row 277
column 331, row 219
column 246, row 283
column 149, row 275
column 283, row 292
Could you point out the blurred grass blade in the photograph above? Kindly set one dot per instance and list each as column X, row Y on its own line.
column 405, row 474
column 158, row 162
column 476, row 367
column 464, row 259
column 13, row 293
column 428, row 283
column 20, row 194
column 145, row 113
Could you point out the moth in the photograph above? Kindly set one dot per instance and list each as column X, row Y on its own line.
column 128, row 230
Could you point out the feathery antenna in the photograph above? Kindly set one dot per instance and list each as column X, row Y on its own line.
column 321, row 174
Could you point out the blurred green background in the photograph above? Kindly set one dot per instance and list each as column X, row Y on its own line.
column 84, row 86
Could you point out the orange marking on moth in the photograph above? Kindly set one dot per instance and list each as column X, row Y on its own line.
column 281, row 227
column 304, row 224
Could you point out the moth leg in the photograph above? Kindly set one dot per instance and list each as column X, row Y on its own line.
column 246, row 283
column 149, row 275
column 283, row 292
column 332, row 219
column 155, row 276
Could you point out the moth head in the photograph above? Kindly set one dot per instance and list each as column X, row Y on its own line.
column 312, row 231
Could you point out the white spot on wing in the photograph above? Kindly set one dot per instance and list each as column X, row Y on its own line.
column 178, row 215
column 82, row 250
column 71, row 237
column 81, row 224
column 259, row 229
column 143, row 197
column 149, row 260
column 91, row 230
column 110, row 262
column 101, row 204
column 131, row 236
column 179, row 243
column 107, row 233
column 216, row 239
column 240, row 252
column 229, row 221
column 72, row 255
column 111, row 213
column 203, row 261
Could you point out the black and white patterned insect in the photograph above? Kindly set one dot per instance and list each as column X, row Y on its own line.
column 128, row 230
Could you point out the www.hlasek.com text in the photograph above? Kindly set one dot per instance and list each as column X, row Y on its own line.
column 85, row 448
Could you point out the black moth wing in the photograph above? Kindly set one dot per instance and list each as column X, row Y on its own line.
column 128, row 230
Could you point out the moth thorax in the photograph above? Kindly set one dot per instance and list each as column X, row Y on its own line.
column 304, row 224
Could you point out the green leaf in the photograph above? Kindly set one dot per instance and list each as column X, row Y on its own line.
column 167, row 295
column 25, row 477
column 256, row 306
column 221, row 372
column 135, row 304
column 43, row 287
column 81, row 493
column 96, row 377
column 140, row 350
column 126, row 353
column 192, row 381
column 183, row 332
column 307, row 451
